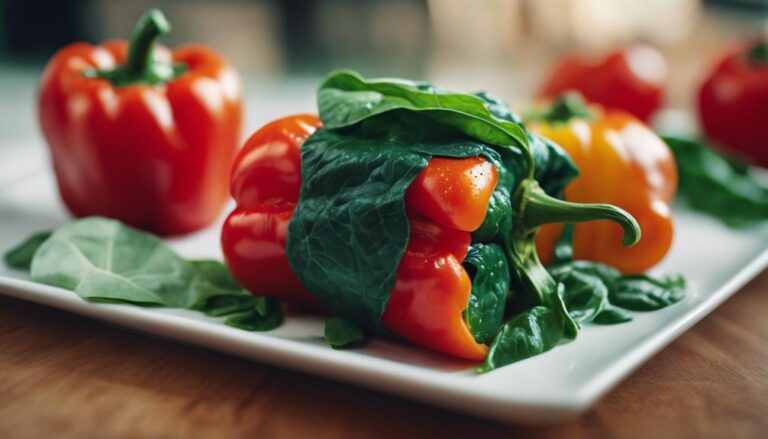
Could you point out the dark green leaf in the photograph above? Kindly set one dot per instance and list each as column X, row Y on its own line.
column 607, row 274
column 342, row 334
column 554, row 167
column 564, row 245
column 346, row 99
column 716, row 185
column 644, row 293
column 266, row 316
column 222, row 305
column 611, row 316
column 20, row 257
column 487, row 266
column 530, row 333
column 584, row 293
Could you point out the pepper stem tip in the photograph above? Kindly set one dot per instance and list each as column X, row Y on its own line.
column 542, row 209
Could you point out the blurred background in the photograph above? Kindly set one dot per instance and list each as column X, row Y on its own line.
column 283, row 47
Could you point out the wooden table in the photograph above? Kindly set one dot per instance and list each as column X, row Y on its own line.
column 62, row 375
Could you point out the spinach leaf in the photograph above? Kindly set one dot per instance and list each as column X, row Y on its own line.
column 554, row 167
column 20, row 257
column 487, row 266
column 223, row 305
column 349, row 230
column 593, row 291
column 342, row 334
column 103, row 260
column 612, row 315
column 530, row 333
column 346, row 99
column 584, row 293
column 215, row 291
column 265, row 315
column 563, row 251
column 715, row 184
column 644, row 293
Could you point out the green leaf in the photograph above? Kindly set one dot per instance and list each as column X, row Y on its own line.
column 342, row 334
column 716, row 185
column 215, row 291
column 644, row 293
column 346, row 99
column 103, row 260
column 594, row 291
column 564, row 246
column 487, row 266
column 612, row 315
column 20, row 257
column 222, row 305
column 530, row 333
column 216, row 274
column 584, row 293
column 266, row 315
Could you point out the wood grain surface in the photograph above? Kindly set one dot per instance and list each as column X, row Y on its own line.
column 62, row 375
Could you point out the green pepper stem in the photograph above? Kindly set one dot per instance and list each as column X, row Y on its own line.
column 567, row 106
column 148, row 29
column 758, row 53
column 539, row 209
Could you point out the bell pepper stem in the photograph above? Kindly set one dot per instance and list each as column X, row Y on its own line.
column 539, row 209
column 148, row 29
column 758, row 53
column 567, row 106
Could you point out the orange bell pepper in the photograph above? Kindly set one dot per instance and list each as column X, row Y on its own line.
column 622, row 162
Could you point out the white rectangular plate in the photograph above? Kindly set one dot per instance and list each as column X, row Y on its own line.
column 553, row 386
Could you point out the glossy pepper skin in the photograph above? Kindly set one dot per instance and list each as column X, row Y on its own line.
column 733, row 101
column 631, row 79
column 621, row 162
column 142, row 134
column 445, row 203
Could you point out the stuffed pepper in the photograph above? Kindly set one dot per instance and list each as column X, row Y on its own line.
column 410, row 210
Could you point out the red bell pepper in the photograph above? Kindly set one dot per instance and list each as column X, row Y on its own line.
column 733, row 102
column 631, row 79
column 140, row 133
column 446, row 202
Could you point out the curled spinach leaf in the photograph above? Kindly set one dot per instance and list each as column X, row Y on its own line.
column 584, row 294
column 530, row 333
column 612, row 315
column 346, row 99
column 343, row 334
column 487, row 266
column 264, row 315
column 20, row 257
